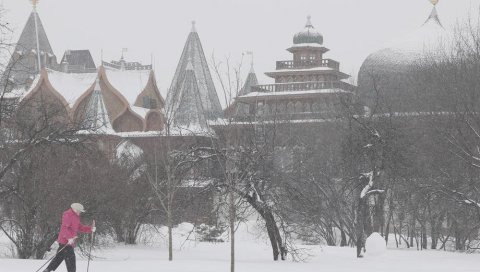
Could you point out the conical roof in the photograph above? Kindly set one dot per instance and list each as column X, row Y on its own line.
column 206, row 89
column 187, row 112
column 249, row 82
column 96, row 116
column 28, row 39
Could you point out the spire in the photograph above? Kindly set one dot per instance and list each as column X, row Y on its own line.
column 193, row 54
column 34, row 3
column 434, row 14
column 96, row 115
column 187, row 112
column 309, row 22
column 27, row 58
column 249, row 82
column 251, row 61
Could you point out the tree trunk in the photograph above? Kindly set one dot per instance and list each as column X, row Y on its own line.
column 343, row 241
column 378, row 214
column 424, row 236
column 232, row 230
column 360, row 226
column 170, row 238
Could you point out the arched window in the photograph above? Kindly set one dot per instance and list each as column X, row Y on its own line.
column 307, row 107
column 290, row 107
column 298, row 107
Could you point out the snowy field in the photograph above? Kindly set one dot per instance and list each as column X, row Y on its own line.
column 253, row 255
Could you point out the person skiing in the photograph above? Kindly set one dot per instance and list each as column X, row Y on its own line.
column 66, row 238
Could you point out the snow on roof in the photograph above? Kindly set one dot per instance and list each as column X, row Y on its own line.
column 191, row 130
column 140, row 111
column 15, row 93
column 302, row 70
column 129, row 83
column 268, row 94
column 316, row 45
column 429, row 40
column 177, row 131
column 127, row 149
column 71, row 86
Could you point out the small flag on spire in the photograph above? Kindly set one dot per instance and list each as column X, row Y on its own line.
column 194, row 29
column 250, row 53
column 34, row 3
column 434, row 2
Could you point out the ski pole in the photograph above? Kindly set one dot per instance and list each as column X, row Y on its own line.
column 52, row 258
column 91, row 244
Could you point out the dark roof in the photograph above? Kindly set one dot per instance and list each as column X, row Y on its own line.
column 20, row 66
column 249, row 82
column 80, row 58
column 28, row 38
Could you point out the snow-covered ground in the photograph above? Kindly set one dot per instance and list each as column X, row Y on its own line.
column 253, row 254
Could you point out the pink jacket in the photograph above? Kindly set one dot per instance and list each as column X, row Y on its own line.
column 70, row 227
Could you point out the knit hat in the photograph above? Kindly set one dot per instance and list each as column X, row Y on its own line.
column 77, row 207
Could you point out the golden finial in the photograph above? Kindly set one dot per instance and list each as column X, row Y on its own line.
column 434, row 2
column 34, row 3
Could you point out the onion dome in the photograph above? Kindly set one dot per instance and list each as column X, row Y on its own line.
column 308, row 35
column 389, row 65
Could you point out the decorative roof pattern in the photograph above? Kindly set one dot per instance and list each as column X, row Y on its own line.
column 187, row 111
column 193, row 53
column 96, row 118
column 21, row 67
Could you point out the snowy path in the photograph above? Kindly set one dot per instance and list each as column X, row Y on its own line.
column 254, row 257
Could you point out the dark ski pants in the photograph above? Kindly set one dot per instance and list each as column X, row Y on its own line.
column 67, row 254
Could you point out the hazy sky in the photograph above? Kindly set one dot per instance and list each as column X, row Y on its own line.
column 352, row 29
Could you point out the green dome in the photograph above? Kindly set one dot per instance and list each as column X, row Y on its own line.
column 308, row 35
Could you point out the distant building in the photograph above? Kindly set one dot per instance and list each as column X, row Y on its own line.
column 77, row 61
column 32, row 53
column 307, row 87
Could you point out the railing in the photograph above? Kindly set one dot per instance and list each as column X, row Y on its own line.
column 80, row 69
column 305, row 64
column 303, row 86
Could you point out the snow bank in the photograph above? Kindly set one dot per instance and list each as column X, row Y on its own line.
column 375, row 245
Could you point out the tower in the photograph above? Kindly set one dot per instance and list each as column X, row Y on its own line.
column 32, row 53
column 193, row 54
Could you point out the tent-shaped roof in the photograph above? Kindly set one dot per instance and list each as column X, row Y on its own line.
column 187, row 111
column 28, row 39
column 249, row 82
column 21, row 68
column 193, row 52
